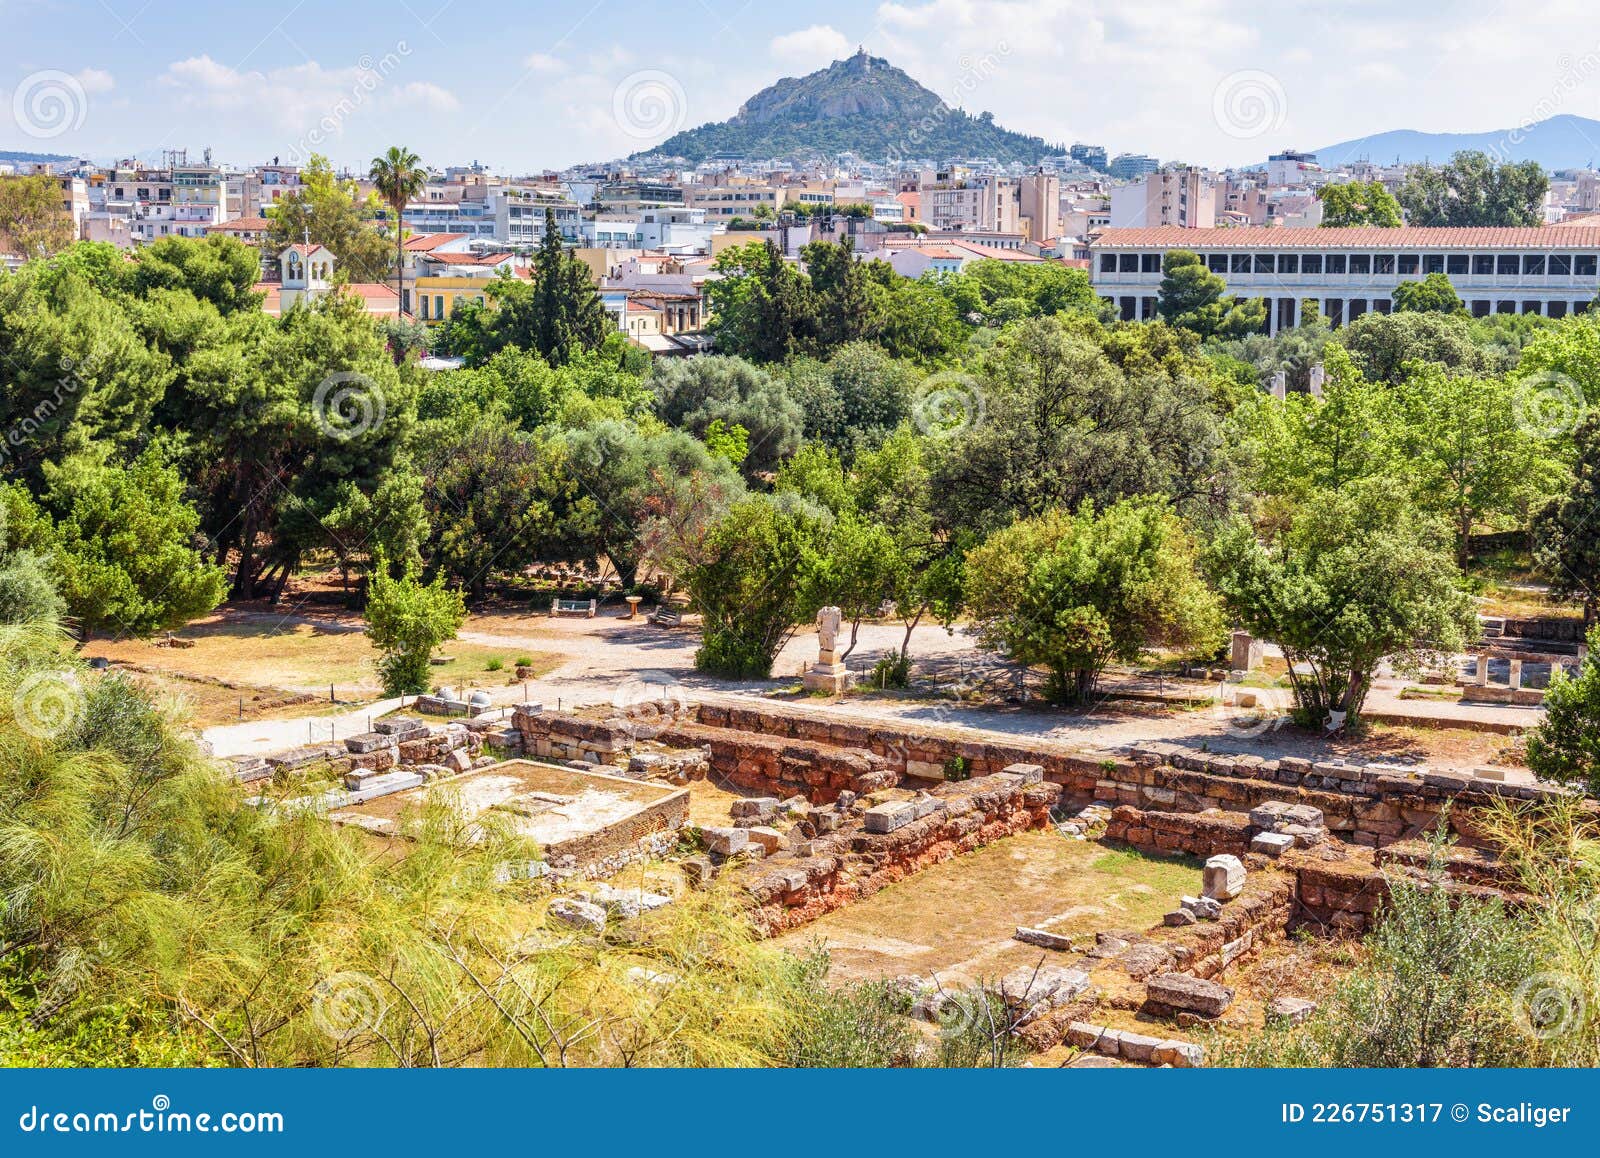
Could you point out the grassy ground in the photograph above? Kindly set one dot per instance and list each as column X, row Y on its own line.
column 957, row 918
column 285, row 657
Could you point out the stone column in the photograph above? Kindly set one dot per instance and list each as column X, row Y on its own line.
column 1482, row 676
column 1516, row 674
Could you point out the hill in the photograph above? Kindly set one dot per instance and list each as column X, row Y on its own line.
column 863, row 105
column 1560, row 142
column 12, row 158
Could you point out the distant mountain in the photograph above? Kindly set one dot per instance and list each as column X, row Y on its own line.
column 863, row 105
column 8, row 157
column 1561, row 142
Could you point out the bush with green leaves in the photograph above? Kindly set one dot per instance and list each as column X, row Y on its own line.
column 1565, row 745
column 748, row 583
column 406, row 620
column 1349, row 578
column 1075, row 592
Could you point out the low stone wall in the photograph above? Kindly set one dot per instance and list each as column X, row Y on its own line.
column 397, row 743
column 783, row 768
column 791, row 888
column 569, row 736
column 1368, row 804
column 1180, row 833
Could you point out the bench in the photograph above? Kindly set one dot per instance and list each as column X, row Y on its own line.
column 584, row 607
column 666, row 617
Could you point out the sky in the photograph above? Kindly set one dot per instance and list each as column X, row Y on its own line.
column 523, row 87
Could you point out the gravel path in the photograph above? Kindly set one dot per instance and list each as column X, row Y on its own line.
column 613, row 660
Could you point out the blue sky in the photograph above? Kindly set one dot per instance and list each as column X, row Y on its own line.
column 528, row 86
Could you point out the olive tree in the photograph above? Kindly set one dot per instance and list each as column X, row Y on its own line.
column 1075, row 592
column 1350, row 577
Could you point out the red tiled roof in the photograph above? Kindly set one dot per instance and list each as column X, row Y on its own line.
column 428, row 241
column 1365, row 237
column 242, row 225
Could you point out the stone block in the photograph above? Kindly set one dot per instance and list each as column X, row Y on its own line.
column 1185, row 994
column 698, row 870
column 1026, row 773
column 725, row 841
column 762, row 806
column 1178, row 1054
column 1033, row 991
column 1224, row 877
column 625, row 904
column 770, row 839
column 881, row 818
column 400, row 727
column 583, row 915
column 1273, row 844
column 1179, row 918
column 1043, row 938
column 1293, row 1010
column 387, row 784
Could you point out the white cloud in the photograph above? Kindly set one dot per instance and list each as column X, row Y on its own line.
column 811, row 48
column 544, row 62
column 426, row 94
column 306, row 107
column 96, row 80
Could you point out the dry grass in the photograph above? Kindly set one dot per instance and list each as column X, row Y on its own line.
column 957, row 918
column 269, row 654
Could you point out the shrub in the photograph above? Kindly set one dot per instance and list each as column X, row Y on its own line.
column 495, row 664
column 892, row 670
column 406, row 620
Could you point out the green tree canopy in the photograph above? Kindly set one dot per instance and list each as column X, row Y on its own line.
column 692, row 393
column 1193, row 298
column 1472, row 190
column 1052, row 418
column 1432, row 295
column 331, row 211
column 1073, row 593
column 749, row 584
column 121, row 543
column 1351, row 577
column 406, row 620
column 1357, row 203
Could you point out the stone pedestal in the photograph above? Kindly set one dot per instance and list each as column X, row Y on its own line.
column 1246, row 653
column 1481, row 678
column 633, row 602
column 827, row 676
column 1516, row 673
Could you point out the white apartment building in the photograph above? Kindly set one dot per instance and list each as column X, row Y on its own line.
column 517, row 216
column 1549, row 270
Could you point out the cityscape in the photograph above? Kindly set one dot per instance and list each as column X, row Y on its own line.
column 851, row 579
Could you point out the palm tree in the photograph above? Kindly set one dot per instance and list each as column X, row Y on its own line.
column 398, row 176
